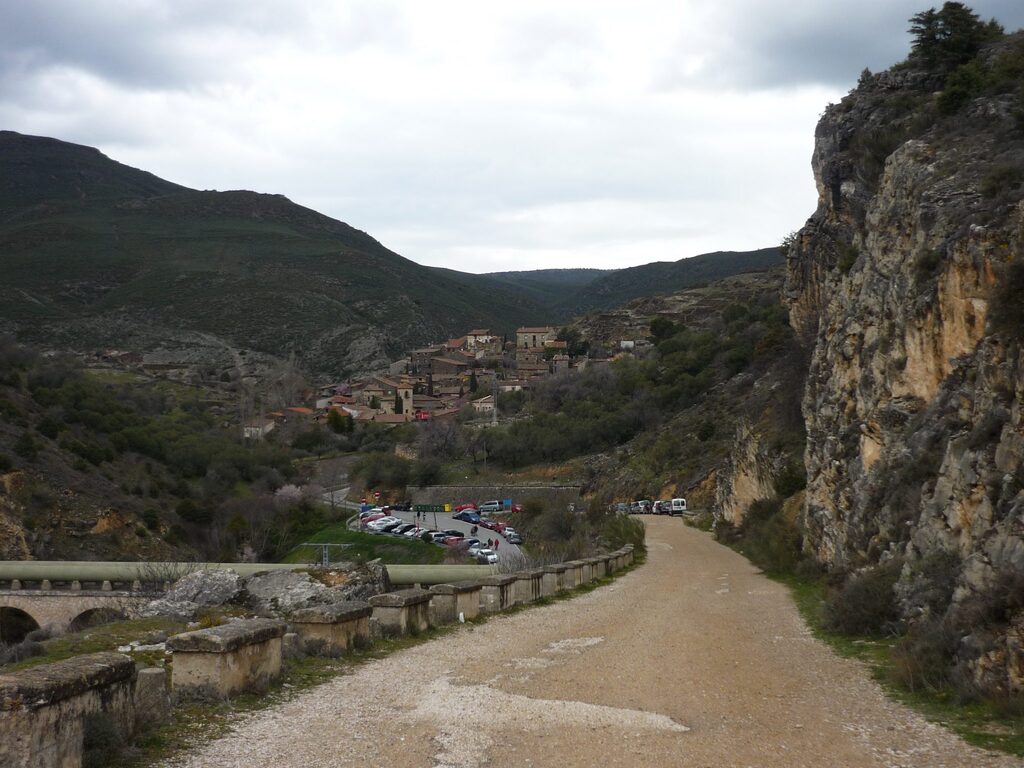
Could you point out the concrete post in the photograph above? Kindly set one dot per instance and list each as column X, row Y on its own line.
column 107, row 587
column 15, row 583
column 46, row 586
column 152, row 699
column 76, row 586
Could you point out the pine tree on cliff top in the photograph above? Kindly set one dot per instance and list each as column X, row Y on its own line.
column 947, row 38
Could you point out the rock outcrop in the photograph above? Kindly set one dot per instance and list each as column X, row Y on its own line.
column 900, row 284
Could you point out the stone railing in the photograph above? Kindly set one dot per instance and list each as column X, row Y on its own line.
column 45, row 711
column 217, row 662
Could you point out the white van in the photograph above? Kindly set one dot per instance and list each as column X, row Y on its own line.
column 678, row 507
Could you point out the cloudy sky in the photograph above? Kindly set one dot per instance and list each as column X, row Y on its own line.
column 480, row 136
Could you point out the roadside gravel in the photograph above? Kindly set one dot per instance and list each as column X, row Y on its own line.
column 695, row 659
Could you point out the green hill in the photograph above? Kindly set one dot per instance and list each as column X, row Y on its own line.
column 662, row 277
column 95, row 253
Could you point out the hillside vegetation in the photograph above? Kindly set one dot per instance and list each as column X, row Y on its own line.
column 97, row 254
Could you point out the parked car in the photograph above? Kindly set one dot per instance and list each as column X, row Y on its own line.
column 465, row 506
column 438, row 537
column 400, row 530
column 640, row 507
column 463, row 543
column 415, row 532
column 622, row 507
column 403, row 506
column 513, row 538
column 473, row 549
column 679, row 507
column 365, row 521
column 453, row 532
column 492, row 525
column 491, row 506
column 383, row 522
column 486, row 557
column 516, row 508
column 467, row 517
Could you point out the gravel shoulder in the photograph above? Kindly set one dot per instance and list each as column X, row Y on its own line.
column 694, row 659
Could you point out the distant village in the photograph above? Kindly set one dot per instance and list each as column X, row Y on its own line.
column 442, row 380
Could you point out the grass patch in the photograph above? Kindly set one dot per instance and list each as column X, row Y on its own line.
column 362, row 547
column 106, row 637
column 982, row 724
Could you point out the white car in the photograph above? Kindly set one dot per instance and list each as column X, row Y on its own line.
column 415, row 533
column 486, row 557
column 383, row 522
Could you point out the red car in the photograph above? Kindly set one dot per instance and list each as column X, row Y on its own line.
column 516, row 508
column 468, row 505
column 371, row 518
column 493, row 525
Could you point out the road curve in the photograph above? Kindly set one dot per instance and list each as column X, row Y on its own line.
column 694, row 659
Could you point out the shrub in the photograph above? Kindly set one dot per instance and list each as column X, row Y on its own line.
column 1007, row 307
column 924, row 658
column 190, row 512
column 26, row 446
column 102, row 741
column 151, row 517
column 848, row 256
column 1002, row 179
column 965, row 83
column 866, row 602
column 5, row 462
column 791, row 479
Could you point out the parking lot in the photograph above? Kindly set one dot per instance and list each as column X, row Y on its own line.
column 438, row 521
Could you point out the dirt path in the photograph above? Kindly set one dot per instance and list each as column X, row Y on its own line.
column 692, row 660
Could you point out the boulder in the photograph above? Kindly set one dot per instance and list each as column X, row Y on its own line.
column 213, row 587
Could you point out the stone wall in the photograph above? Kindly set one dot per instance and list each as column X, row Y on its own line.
column 220, row 661
column 45, row 710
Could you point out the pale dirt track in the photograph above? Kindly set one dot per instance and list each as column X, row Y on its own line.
column 694, row 659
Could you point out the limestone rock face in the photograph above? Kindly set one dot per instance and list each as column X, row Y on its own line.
column 915, row 441
column 748, row 476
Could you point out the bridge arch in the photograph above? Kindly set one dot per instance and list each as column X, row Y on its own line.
column 93, row 617
column 15, row 624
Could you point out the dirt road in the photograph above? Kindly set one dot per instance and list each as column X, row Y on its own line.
column 693, row 659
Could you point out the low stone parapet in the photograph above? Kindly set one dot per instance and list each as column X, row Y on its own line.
column 497, row 593
column 554, row 579
column 529, row 586
column 628, row 552
column 450, row 601
column 405, row 612
column 220, row 661
column 45, row 711
column 333, row 630
column 574, row 573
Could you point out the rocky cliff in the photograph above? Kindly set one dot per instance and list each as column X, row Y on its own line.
column 905, row 285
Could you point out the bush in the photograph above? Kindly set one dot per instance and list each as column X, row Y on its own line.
column 190, row 512
column 966, row 82
column 1007, row 308
column 26, row 446
column 791, row 479
column 924, row 658
column 5, row 462
column 151, row 517
column 866, row 602
column 102, row 741
column 848, row 256
column 1002, row 179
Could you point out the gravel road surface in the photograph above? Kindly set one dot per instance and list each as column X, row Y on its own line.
column 694, row 659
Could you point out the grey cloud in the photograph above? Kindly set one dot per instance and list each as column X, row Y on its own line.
column 804, row 43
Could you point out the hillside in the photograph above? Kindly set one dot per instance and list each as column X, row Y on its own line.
column 550, row 286
column 616, row 288
column 98, row 254
column 573, row 292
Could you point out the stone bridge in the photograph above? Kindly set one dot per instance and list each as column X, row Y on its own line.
column 62, row 610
